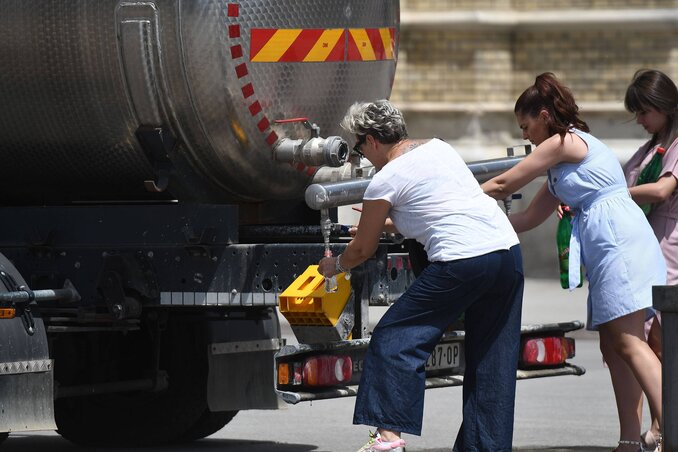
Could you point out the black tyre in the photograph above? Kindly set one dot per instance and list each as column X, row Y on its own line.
column 209, row 423
column 136, row 418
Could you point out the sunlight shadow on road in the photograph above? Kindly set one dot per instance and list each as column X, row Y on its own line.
column 50, row 443
column 18, row 442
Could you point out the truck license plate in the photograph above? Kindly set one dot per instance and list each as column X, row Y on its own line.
column 444, row 356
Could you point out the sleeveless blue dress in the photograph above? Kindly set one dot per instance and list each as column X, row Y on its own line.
column 610, row 235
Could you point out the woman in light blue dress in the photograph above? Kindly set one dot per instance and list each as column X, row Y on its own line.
column 610, row 237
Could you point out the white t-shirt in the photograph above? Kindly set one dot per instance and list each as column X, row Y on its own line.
column 436, row 200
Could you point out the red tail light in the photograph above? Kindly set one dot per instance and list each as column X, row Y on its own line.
column 327, row 370
column 546, row 351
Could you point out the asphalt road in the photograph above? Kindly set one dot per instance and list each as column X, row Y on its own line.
column 552, row 414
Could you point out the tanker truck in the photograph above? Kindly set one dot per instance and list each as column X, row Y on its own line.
column 170, row 170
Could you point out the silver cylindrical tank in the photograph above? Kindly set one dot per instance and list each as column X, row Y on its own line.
column 121, row 100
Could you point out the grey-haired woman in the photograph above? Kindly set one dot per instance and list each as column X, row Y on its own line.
column 425, row 191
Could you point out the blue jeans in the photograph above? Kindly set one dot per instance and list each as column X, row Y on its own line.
column 489, row 289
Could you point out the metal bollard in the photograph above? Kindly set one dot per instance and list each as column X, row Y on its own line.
column 665, row 299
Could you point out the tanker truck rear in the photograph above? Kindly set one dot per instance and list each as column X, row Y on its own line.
column 156, row 157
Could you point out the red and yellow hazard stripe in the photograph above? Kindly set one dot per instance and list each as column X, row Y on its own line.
column 317, row 45
column 371, row 44
column 297, row 45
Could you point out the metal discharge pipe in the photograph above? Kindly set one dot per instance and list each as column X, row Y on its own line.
column 68, row 294
column 484, row 170
column 325, row 196
column 331, row 151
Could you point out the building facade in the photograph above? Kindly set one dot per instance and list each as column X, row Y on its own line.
column 463, row 63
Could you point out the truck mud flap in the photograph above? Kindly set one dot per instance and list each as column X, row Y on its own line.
column 444, row 369
column 249, row 386
column 26, row 371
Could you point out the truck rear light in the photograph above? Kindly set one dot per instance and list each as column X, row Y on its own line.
column 7, row 313
column 283, row 374
column 289, row 373
column 546, row 351
column 327, row 370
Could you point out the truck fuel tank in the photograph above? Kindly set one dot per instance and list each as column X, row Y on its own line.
column 171, row 99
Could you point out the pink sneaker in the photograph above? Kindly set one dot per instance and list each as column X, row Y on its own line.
column 376, row 444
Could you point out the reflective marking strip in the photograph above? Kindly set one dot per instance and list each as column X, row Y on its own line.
column 302, row 45
column 236, row 51
column 297, row 45
column 274, row 47
column 272, row 138
column 363, row 44
column 371, row 44
column 218, row 299
column 255, row 108
column 247, row 88
column 241, row 70
column 25, row 367
column 263, row 124
column 264, row 345
column 388, row 41
column 315, row 45
column 329, row 47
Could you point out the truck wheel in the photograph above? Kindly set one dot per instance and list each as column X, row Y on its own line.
column 134, row 418
column 210, row 422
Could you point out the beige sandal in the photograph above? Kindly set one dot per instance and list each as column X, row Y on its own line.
column 651, row 443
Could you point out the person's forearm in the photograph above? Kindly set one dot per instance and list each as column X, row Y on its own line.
column 495, row 189
column 649, row 193
column 519, row 222
column 388, row 225
column 365, row 242
column 355, row 254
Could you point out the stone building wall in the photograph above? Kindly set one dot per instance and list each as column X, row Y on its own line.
column 462, row 64
column 531, row 5
column 495, row 66
column 486, row 63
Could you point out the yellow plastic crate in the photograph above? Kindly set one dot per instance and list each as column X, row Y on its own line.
column 305, row 301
